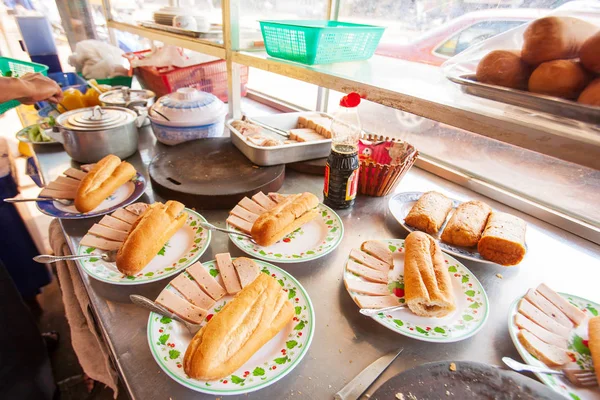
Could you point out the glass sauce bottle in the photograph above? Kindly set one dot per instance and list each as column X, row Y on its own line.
column 341, row 170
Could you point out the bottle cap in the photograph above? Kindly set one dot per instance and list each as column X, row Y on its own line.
column 350, row 100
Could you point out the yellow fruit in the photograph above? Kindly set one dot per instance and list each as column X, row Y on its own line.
column 25, row 149
column 92, row 98
column 72, row 100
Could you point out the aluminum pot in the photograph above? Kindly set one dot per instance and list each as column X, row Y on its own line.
column 89, row 134
column 128, row 98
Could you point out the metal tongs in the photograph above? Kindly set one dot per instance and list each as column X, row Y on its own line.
column 278, row 131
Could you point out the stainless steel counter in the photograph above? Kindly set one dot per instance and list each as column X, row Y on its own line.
column 345, row 342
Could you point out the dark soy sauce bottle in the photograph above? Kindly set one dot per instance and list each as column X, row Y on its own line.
column 341, row 170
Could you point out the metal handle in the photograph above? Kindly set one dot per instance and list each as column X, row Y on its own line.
column 46, row 259
column 211, row 227
column 16, row 200
column 154, row 307
column 517, row 366
column 369, row 312
column 100, row 112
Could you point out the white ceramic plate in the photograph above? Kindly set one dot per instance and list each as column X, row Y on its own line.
column 309, row 242
column 400, row 205
column 182, row 250
column 168, row 341
column 577, row 344
column 472, row 307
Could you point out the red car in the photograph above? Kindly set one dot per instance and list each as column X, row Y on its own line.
column 438, row 44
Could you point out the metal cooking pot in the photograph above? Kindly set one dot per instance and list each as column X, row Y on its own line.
column 89, row 134
column 128, row 98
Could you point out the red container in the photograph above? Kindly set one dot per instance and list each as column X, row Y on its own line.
column 209, row 77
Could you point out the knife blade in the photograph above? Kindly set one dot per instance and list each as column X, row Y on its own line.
column 357, row 386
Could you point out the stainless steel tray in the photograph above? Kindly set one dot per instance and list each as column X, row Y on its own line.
column 284, row 154
column 533, row 101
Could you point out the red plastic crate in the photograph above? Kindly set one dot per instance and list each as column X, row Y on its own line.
column 209, row 77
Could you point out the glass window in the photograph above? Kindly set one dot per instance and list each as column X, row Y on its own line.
column 473, row 35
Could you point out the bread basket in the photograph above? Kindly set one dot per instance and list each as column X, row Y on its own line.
column 383, row 163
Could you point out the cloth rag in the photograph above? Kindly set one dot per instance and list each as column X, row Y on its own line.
column 87, row 342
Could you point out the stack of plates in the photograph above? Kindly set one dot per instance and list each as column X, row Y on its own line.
column 165, row 15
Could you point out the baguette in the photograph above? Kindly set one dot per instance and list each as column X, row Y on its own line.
column 560, row 78
column 429, row 212
column 591, row 94
column 427, row 286
column 554, row 38
column 594, row 343
column 503, row 240
column 240, row 329
column 148, row 235
column 503, row 68
column 466, row 224
column 286, row 217
column 590, row 53
column 104, row 178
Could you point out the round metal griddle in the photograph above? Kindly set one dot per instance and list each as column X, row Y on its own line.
column 471, row 380
column 210, row 174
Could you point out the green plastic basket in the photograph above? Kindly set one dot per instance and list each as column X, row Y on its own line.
column 18, row 68
column 320, row 42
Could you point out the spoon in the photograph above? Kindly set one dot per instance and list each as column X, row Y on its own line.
column 159, row 113
column 145, row 302
column 109, row 256
column 369, row 312
column 211, row 227
column 64, row 202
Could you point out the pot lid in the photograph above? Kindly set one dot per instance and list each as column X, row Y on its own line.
column 189, row 107
column 96, row 118
column 125, row 96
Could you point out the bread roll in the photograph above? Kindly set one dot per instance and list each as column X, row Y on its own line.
column 286, row 217
column 594, row 343
column 591, row 94
column 427, row 285
column 560, row 78
column 148, row 235
column 504, row 68
column 554, row 38
column 466, row 224
column 429, row 212
column 103, row 179
column 240, row 329
column 503, row 240
column 590, row 53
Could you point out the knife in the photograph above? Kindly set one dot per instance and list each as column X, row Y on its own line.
column 357, row 386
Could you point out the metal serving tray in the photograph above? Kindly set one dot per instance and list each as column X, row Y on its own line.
column 284, row 154
column 549, row 104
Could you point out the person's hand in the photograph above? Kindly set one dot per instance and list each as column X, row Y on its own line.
column 37, row 87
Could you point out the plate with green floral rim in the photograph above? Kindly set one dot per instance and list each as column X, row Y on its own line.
column 578, row 345
column 309, row 242
column 168, row 341
column 182, row 250
column 472, row 306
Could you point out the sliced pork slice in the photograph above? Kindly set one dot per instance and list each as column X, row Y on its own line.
column 206, row 281
column 192, row 292
column 574, row 313
column 369, row 274
column 537, row 316
column 369, row 261
column 181, row 307
column 228, row 273
column 373, row 289
column 376, row 301
column 550, row 355
column 542, row 333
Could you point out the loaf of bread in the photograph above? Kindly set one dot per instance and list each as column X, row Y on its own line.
column 591, row 94
column 103, row 179
column 555, row 38
column 504, row 68
column 590, row 53
column 503, row 240
column 594, row 343
column 560, row 78
column 148, row 235
column 427, row 286
column 466, row 224
column 429, row 212
column 240, row 329
column 286, row 217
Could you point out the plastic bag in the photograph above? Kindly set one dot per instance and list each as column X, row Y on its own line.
column 98, row 60
column 466, row 62
column 170, row 56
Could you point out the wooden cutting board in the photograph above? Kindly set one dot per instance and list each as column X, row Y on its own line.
column 210, row 174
